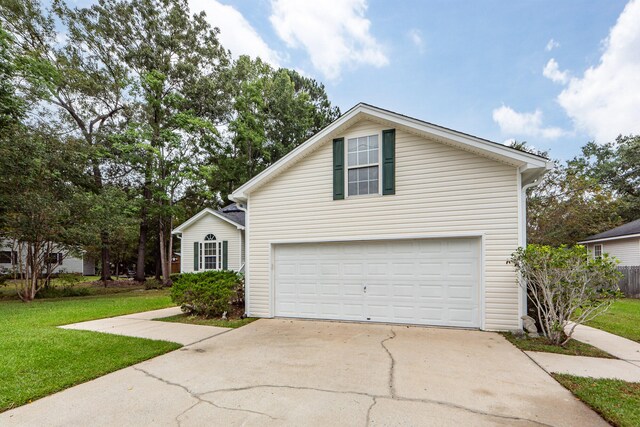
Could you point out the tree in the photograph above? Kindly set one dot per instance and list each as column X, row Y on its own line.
column 568, row 205
column 273, row 112
column 616, row 166
column 565, row 208
column 77, row 75
column 565, row 285
column 45, row 212
column 174, row 59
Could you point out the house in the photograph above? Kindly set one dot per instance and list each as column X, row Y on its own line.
column 212, row 240
column 381, row 217
column 621, row 242
column 61, row 261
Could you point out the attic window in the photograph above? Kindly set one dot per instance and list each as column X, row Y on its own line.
column 363, row 165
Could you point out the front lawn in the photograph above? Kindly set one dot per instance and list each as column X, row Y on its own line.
column 38, row 359
column 623, row 319
column 197, row 320
column 572, row 348
column 617, row 401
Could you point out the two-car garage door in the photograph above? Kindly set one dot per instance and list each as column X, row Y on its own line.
column 413, row 281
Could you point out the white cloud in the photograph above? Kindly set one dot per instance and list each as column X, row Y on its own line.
column 415, row 36
column 551, row 44
column 605, row 102
column 528, row 124
column 236, row 33
column 335, row 33
column 553, row 73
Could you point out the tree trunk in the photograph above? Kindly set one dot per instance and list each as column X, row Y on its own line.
column 144, row 223
column 162, row 243
column 106, row 267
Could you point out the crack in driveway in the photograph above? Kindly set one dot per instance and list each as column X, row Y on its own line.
column 198, row 397
column 392, row 387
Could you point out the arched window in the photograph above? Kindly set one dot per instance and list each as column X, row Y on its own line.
column 212, row 253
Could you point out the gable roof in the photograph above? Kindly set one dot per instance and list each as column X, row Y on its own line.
column 622, row 232
column 531, row 165
column 233, row 215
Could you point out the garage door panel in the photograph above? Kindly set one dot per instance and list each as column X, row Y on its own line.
column 426, row 281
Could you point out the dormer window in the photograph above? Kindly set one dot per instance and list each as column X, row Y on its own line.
column 363, row 165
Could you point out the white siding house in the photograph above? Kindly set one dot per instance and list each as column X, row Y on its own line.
column 64, row 262
column 621, row 242
column 212, row 240
column 385, row 218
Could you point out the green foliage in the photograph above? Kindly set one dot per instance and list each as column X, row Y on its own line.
column 64, row 292
column 209, row 293
column 594, row 192
column 616, row 166
column 566, row 284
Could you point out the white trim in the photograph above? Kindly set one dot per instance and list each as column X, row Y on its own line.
column 601, row 250
column 247, row 281
column 606, row 239
column 369, row 165
column 367, row 111
column 196, row 217
column 380, row 237
column 479, row 235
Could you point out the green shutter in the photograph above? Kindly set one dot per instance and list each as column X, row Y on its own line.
column 338, row 169
column 225, row 255
column 389, row 161
column 196, row 256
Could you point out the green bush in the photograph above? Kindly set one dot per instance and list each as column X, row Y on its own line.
column 566, row 284
column 64, row 291
column 153, row 284
column 209, row 293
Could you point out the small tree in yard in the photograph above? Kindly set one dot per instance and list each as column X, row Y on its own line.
column 566, row 285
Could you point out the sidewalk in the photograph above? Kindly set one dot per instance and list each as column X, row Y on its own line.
column 627, row 368
column 142, row 325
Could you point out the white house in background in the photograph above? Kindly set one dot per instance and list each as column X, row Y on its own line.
column 621, row 242
column 381, row 217
column 83, row 264
column 212, row 240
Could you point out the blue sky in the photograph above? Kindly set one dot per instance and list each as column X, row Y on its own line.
column 554, row 73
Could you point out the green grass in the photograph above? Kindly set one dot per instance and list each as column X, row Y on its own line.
column 572, row 348
column 196, row 320
column 617, row 401
column 623, row 319
column 38, row 359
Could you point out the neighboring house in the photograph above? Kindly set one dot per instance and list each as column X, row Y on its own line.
column 212, row 240
column 621, row 242
column 385, row 218
column 83, row 264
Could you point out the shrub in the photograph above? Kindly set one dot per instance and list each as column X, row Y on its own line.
column 153, row 284
column 63, row 292
column 209, row 293
column 566, row 284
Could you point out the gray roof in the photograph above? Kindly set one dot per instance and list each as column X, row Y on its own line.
column 628, row 229
column 234, row 213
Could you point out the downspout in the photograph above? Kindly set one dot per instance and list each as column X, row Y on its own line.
column 522, row 234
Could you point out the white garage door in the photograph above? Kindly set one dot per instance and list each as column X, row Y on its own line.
column 423, row 281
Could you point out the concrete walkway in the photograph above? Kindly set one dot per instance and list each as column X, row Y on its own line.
column 142, row 325
column 627, row 368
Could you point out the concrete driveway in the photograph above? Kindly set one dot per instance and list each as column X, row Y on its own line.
column 284, row 372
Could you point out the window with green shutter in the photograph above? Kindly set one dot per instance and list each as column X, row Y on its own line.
column 196, row 256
